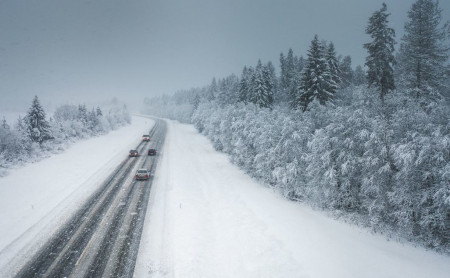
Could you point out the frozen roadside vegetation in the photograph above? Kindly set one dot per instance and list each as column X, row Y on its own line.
column 371, row 145
column 37, row 135
column 207, row 218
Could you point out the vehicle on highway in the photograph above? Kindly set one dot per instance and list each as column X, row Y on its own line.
column 133, row 153
column 151, row 152
column 145, row 137
column 142, row 174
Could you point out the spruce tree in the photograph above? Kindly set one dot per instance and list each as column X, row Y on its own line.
column 346, row 71
column 5, row 124
column 212, row 90
column 196, row 101
column 245, row 85
column 37, row 127
column 289, row 70
column 316, row 80
column 261, row 92
column 83, row 114
column 424, row 51
column 381, row 59
column 99, row 112
column 333, row 64
column 359, row 76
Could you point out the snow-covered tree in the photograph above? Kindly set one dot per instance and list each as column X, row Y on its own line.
column 316, row 81
column 93, row 120
column 212, row 90
column 381, row 59
column 37, row 126
column 346, row 71
column 245, row 85
column 83, row 114
column 99, row 112
column 424, row 49
column 287, row 69
column 261, row 91
column 333, row 64
column 359, row 76
column 196, row 101
column 66, row 112
column 228, row 90
column 5, row 125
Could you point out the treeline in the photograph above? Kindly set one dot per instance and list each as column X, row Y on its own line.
column 373, row 147
column 35, row 136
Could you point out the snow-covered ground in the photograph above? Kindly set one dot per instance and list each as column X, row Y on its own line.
column 34, row 197
column 208, row 219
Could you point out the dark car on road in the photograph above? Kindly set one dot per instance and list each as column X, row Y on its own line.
column 151, row 152
column 142, row 174
column 133, row 153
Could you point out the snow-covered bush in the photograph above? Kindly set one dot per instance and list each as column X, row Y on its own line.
column 35, row 136
column 384, row 166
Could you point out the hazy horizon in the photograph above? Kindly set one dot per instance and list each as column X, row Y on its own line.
column 91, row 51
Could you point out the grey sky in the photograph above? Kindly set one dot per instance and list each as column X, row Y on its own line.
column 70, row 51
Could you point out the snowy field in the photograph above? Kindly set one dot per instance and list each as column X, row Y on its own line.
column 208, row 219
column 36, row 198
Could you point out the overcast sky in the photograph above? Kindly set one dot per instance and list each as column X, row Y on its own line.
column 72, row 51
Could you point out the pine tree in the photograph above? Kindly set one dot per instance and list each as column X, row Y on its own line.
column 196, row 101
column 333, row 64
column 424, row 51
column 272, row 77
column 5, row 124
column 92, row 120
column 99, row 112
column 316, row 80
column 289, row 71
column 359, row 76
column 261, row 93
column 381, row 59
column 346, row 71
column 268, row 73
column 245, row 85
column 37, row 127
column 83, row 114
column 212, row 90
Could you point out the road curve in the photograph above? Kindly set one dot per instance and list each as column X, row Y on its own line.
column 102, row 238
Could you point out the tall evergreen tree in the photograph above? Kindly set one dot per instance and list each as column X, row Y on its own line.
column 228, row 92
column 332, row 60
column 316, row 80
column 359, row 76
column 5, row 124
column 245, row 85
column 261, row 90
column 196, row 101
column 381, row 59
column 424, row 52
column 83, row 114
column 346, row 71
column 212, row 90
column 289, row 70
column 99, row 112
column 37, row 127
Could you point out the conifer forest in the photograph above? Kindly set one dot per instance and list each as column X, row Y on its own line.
column 370, row 144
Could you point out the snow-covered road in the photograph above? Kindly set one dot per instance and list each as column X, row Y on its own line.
column 37, row 198
column 208, row 219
